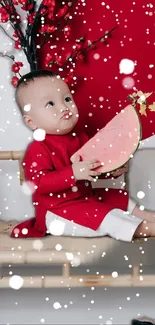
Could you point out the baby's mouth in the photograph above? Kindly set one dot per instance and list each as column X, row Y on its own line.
column 67, row 115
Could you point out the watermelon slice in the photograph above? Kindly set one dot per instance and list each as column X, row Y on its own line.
column 115, row 144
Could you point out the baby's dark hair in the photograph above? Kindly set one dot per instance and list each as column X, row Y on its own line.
column 33, row 75
column 27, row 78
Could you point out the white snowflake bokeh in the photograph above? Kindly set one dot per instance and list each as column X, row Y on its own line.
column 11, row 123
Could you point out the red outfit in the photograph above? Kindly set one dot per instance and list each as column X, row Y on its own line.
column 47, row 164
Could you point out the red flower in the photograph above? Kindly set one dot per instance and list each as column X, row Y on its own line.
column 47, row 29
column 28, row 6
column 78, row 46
column 43, row 29
column 31, row 17
column 66, row 80
column 23, row 2
column 80, row 56
column 61, row 12
column 48, row 59
column 44, row 11
column 67, row 16
column 50, row 29
column 4, row 16
column 68, row 55
column 59, row 60
column 50, row 15
column 67, row 31
column 69, row 77
column 20, row 64
column 23, row 8
column 17, row 45
column 15, row 35
column 15, row 2
column 49, row 3
column 14, row 81
column 16, row 66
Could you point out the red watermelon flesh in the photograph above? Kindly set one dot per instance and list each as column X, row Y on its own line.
column 114, row 144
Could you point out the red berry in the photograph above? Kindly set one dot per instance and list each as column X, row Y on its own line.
column 20, row 64
column 48, row 59
column 16, row 66
column 15, row 2
column 4, row 16
column 15, row 35
column 17, row 45
column 67, row 30
column 14, row 81
column 62, row 11
column 78, row 46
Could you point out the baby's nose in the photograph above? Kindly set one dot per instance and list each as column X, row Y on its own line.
column 63, row 109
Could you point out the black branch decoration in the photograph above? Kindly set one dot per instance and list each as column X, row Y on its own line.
column 51, row 17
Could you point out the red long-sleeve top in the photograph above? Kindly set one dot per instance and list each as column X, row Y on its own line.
column 47, row 164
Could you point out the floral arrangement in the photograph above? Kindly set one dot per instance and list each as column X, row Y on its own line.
column 58, row 17
column 142, row 99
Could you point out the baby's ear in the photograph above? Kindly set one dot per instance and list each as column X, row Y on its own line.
column 29, row 122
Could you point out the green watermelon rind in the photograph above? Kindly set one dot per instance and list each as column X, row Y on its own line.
column 139, row 141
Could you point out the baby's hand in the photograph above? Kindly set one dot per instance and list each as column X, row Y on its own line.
column 83, row 169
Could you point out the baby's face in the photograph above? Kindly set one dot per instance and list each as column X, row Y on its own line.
column 52, row 107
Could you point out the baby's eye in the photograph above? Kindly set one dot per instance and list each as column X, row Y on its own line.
column 68, row 99
column 50, row 103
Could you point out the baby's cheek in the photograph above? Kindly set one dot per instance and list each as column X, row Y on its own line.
column 73, row 106
column 76, row 110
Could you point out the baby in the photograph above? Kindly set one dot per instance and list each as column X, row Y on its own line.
column 63, row 197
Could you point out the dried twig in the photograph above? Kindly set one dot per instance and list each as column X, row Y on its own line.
column 6, row 33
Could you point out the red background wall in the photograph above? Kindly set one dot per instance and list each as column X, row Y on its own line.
column 134, row 39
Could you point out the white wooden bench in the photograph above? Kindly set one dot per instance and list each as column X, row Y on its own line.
column 23, row 251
